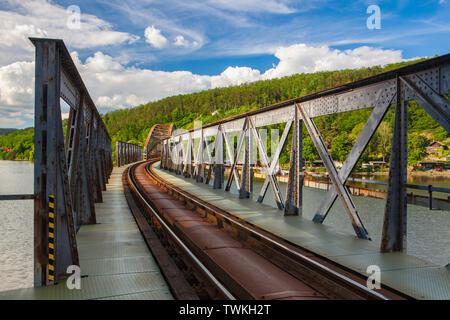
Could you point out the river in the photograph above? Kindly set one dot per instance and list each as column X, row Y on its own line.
column 16, row 226
column 428, row 231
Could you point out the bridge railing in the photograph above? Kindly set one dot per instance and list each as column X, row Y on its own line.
column 425, row 82
column 70, row 172
column 127, row 153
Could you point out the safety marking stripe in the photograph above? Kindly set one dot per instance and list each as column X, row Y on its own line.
column 51, row 239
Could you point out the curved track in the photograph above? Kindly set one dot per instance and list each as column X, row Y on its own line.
column 224, row 257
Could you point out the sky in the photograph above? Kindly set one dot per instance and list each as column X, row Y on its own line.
column 130, row 52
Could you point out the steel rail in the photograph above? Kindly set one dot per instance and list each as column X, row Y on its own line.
column 324, row 269
column 205, row 270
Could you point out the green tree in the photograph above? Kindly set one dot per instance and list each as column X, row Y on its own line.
column 416, row 148
column 384, row 138
column 342, row 144
column 310, row 153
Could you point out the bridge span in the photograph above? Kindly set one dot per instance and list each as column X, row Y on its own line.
column 163, row 223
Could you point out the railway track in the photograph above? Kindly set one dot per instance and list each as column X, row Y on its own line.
column 218, row 256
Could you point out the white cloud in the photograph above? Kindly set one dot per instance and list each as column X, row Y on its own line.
column 155, row 38
column 180, row 41
column 11, row 122
column 272, row 6
column 235, row 76
column 301, row 58
column 42, row 18
column 113, row 85
column 17, row 84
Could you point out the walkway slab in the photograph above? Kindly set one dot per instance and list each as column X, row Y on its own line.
column 114, row 259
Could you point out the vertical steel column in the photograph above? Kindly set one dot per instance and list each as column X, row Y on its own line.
column 294, row 192
column 200, row 160
column 73, row 155
column 219, row 169
column 188, row 159
column 170, row 156
column 117, row 154
column 247, row 176
column 41, row 161
column 95, row 161
column 163, row 155
column 180, row 157
column 394, row 225
column 87, row 215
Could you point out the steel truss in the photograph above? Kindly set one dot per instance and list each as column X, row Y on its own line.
column 70, row 172
column 426, row 82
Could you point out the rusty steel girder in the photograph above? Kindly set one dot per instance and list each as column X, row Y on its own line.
column 71, row 171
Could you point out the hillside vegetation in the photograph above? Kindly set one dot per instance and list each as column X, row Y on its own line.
column 338, row 131
column 18, row 145
column 6, row 131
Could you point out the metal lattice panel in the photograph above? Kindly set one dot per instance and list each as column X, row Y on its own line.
column 445, row 80
column 87, row 113
column 68, row 91
column 426, row 81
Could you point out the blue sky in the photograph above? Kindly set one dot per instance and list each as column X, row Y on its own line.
column 244, row 37
column 130, row 52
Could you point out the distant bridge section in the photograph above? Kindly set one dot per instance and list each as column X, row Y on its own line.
column 127, row 153
column 157, row 133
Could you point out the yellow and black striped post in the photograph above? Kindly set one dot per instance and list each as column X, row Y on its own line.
column 51, row 239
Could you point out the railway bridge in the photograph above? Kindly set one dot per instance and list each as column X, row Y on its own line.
column 178, row 216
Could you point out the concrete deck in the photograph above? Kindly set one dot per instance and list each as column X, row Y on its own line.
column 413, row 276
column 114, row 259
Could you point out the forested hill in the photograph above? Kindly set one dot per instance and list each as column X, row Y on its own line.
column 133, row 124
column 6, row 131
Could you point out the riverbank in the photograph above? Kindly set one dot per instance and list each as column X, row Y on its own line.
column 412, row 173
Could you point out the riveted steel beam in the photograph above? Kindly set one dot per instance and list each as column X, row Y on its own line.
column 245, row 190
column 394, row 224
column 294, row 192
column 219, row 168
